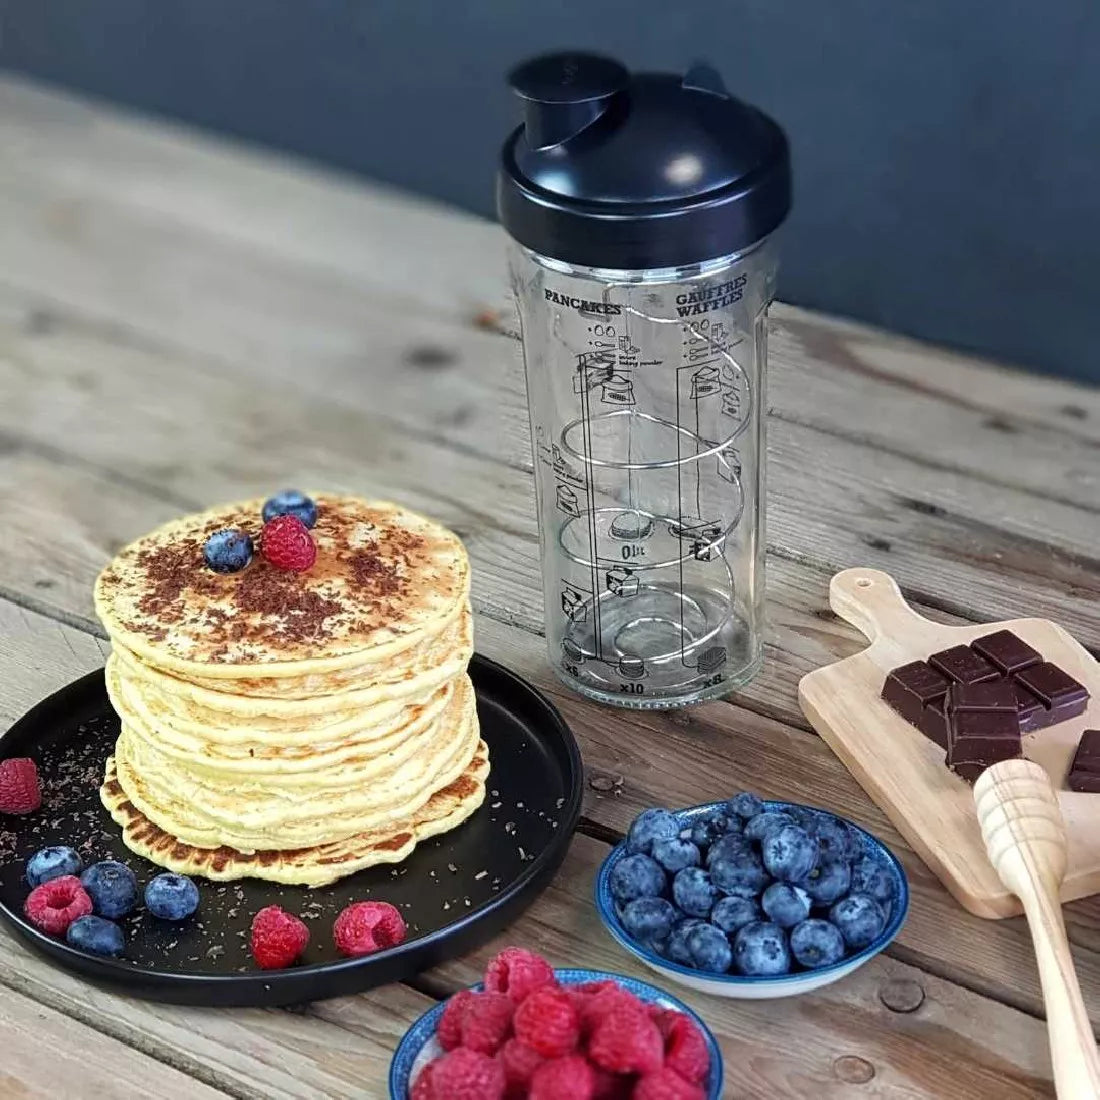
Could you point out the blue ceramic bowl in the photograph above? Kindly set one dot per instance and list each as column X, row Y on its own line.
column 739, row 985
column 418, row 1047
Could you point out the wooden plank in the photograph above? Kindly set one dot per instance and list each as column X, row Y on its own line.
column 282, row 281
column 956, row 1044
column 48, row 1054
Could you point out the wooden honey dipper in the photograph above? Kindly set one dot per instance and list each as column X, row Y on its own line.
column 1025, row 837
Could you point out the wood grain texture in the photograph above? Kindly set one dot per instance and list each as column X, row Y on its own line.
column 904, row 772
column 1025, row 839
column 47, row 1054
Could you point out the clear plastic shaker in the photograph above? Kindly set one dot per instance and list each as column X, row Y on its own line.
column 641, row 210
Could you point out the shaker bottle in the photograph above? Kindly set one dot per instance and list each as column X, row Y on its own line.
column 641, row 209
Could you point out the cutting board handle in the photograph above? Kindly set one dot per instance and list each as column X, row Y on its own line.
column 872, row 602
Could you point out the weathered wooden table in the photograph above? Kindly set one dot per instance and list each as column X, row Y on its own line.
column 182, row 322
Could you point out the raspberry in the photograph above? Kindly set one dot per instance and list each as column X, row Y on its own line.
column 466, row 1075
column 548, row 1022
column 19, row 790
column 487, row 1022
column 665, row 1084
column 685, row 1048
column 562, row 1079
column 518, row 973
column 366, row 926
column 519, row 1062
column 287, row 544
column 627, row 1042
column 611, row 1086
column 449, row 1030
column 424, row 1087
column 277, row 938
column 54, row 905
column 612, row 998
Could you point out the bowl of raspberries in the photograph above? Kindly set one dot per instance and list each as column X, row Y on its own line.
column 530, row 1031
column 754, row 899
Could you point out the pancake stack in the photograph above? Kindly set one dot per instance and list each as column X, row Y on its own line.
column 294, row 727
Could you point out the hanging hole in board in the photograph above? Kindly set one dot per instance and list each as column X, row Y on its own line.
column 864, row 582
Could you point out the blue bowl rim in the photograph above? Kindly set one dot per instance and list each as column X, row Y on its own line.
column 428, row 1022
column 605, row 906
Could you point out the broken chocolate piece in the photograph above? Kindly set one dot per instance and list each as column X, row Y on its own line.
column 1033, row 715
column 962, row 665
column 1005, row 650
column 983, row 727
column 1084, row 772
column 911, row 688
column 1059, row 692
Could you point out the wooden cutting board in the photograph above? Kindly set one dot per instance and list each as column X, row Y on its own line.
column 904, row 772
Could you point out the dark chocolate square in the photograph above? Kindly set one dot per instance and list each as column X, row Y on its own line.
column 912, row 687
column 962, row 665
column 1033, row 715
column 1005, row 650
column 987, row 695
column 1059, row 692
column 1087, row 756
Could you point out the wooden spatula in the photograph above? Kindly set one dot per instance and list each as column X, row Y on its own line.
column 1025, row 837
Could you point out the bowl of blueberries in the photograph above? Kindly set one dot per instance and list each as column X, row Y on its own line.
column 751, row 899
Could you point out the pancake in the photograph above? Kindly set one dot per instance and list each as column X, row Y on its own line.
column 445, row 810
column 318, row 715
column 385, row 578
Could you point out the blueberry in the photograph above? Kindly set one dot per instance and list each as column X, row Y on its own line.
column 651, row 825
column 675, row 855
column 834, row 838
column 816, row 943
column 636, row 876
column 228, row 551
column 171, row 897
column 649, row 920
column 677, row 947
column 869, row 877
column 785, row 905
column 290, row 503
column 733, row 913
column 709, row 948
column 96, row 936
column 112, row 887
column 694, row 892
column 789, row 853
column 727, row 847
column 745, row 805
column 763, row 823
column 706, row 830
column 742, row 875
column 761, row 948
column 859, row 919
column 51, row 863
column 827, row 882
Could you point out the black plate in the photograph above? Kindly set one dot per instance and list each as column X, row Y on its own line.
column 455, row 892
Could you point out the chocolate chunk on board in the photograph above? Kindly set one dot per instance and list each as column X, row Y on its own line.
column 983, row 727
column 1005, row 650
column 912, row 687
column 962, row 665
column 1084, row 772
column 1058, row 691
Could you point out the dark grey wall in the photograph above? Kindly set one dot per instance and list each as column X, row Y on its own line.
column 947, row 154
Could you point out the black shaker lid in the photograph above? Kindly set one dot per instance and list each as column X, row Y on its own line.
column 620, row 170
